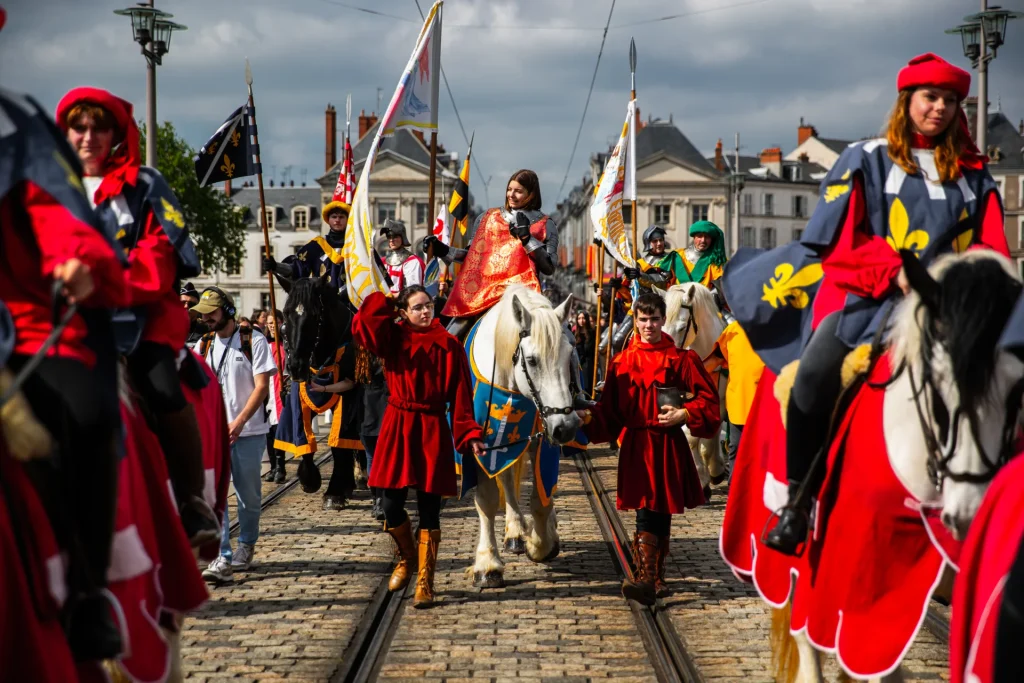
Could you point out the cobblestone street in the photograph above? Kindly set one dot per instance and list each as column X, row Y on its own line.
column 294, row 615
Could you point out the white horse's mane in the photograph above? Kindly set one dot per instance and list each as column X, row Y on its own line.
column 909, row 318
column 545, row 329
column 676, row 296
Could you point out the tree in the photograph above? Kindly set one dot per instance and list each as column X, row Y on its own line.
column 217, row 228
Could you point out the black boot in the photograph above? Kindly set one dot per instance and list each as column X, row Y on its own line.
column 791, row 531
column 91, row 630
column 279, row 473
column 272, row 472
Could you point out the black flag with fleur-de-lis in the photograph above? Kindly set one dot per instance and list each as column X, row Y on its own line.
column 229, row 153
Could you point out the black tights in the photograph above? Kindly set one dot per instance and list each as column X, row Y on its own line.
column 428, row 504
column 154, row 373
column 343, row 478
column 813, row 398
column 78, row 487
column 652, row 522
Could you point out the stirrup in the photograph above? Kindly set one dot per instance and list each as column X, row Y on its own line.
column 798, row 549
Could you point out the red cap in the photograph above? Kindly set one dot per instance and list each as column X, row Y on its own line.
column 930, row 69
column 125, row 159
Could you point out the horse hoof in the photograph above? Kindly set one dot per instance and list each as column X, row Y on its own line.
column 515, row 545
column 554, row 552
column 707, row 493
column 719, row 479
column 333, row 503
column 309, row 475
column 490, row 579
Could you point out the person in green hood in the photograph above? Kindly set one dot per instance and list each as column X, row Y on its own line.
column 705, row 257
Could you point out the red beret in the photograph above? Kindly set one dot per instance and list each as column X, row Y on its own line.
column 930, row 69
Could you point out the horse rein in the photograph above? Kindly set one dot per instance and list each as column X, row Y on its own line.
column 545, row 411
column 939, row 454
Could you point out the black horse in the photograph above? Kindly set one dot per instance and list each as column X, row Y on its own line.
column 317, row 322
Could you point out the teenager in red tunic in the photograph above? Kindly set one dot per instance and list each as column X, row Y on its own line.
column 929, row 157
column 657, row 476
column 138, row 207
column 427, row 373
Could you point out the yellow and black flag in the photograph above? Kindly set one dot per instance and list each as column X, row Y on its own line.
column 458, row 207
column 229, row 153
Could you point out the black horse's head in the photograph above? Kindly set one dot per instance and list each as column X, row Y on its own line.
column 317, row 321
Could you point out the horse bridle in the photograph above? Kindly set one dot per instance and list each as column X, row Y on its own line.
column 691, row 321
column 545, row 411
column 939, row 454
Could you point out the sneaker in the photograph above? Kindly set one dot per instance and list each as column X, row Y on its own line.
column 219, row 571
column 242, row 558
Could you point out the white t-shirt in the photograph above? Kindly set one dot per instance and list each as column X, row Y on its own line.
column 237, row 376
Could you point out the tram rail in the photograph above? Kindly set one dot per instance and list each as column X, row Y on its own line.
column 669, row 656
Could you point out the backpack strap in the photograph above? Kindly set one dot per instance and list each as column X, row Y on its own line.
column 204, row 344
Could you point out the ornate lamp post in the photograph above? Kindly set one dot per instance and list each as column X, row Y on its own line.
column 983, row 32
column 152, row 30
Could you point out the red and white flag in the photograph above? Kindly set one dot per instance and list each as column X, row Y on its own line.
column 443, row 226
column 348, row 172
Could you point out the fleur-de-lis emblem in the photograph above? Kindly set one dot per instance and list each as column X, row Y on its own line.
column 171, row 214
column 211, row 150
column 962, row 242
column 787, row 287
column 227, row 167
column 235, row 138
column 900, row 234
column 835, row 191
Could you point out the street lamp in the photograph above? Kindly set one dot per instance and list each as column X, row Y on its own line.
column 152, row 31
column 983, row 31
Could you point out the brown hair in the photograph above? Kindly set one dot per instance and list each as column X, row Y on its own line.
column 949, row 144
column 528, row 179
column 649, row 303
column 100, row 115
column 402, row 302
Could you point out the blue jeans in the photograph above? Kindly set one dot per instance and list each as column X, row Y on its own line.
column 369, row 445
column 246, row 459
column 735, row 432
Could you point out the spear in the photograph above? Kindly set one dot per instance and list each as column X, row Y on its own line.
column 632, row 140
column 348, row 116
column 263, row 217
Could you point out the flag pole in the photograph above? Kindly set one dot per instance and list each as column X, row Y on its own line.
column 433, row 177
column 611, row 321
column 263, row 221
column 348, row 116
column 632, row 96
column 600, row 295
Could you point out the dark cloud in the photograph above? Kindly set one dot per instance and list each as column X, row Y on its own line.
column 753, row 66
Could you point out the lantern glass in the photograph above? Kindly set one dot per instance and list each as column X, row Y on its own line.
column 143, row 19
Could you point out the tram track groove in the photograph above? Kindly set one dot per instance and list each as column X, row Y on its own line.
column 669, row 656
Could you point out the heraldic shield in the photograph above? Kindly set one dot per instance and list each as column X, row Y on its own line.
column 508, row 418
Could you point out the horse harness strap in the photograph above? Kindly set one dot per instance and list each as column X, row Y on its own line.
column 545, row 411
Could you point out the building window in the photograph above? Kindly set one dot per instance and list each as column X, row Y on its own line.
column 265, row 302
column 422, row 213
column 768, row 204
column 747, row 237
column 700, row 212
column 627, row 213
column 767, row 238
column 271, row 214
column 300, row 218
column 662, row 214
column 385, row 210
column 237, row 298
column 794, row 173
column 799, row 206
column 1020, row 234
column 748, row 204
column 260, row 254
column 797, row 234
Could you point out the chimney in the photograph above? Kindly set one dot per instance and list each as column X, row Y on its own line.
column 227, row 187
column 803, row 132
column 804, row 158
column 331, row 142
column 771, row 158
column 366, row 122
column 719, row 162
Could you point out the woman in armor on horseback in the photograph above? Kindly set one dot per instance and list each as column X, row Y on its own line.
column 923, row 187
column 138, row 208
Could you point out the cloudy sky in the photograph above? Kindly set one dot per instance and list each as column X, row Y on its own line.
column 519, row 69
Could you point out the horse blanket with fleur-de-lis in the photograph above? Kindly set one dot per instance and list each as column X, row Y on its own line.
column 909, row 211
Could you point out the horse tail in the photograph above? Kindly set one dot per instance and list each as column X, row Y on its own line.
column 785, row 655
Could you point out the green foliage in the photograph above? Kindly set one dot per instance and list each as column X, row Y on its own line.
column 217, row 229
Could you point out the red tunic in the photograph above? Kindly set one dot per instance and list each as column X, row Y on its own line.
column 861, row 263
column 427, row 373
column 51, row 235
column 656, row 469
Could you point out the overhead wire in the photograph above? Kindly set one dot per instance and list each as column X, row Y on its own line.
column 586, row 106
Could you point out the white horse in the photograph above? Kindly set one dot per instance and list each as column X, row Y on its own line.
column 956, row 382
column 522, row 341
column 693, row 322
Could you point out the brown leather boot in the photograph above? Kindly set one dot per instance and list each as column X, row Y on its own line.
column 660, row 587
column 634, row 554
column 641, row 586
column 406, row 552
column 428, row 540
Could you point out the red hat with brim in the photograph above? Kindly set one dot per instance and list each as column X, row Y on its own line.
column 123, row 165
column 930, row 69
